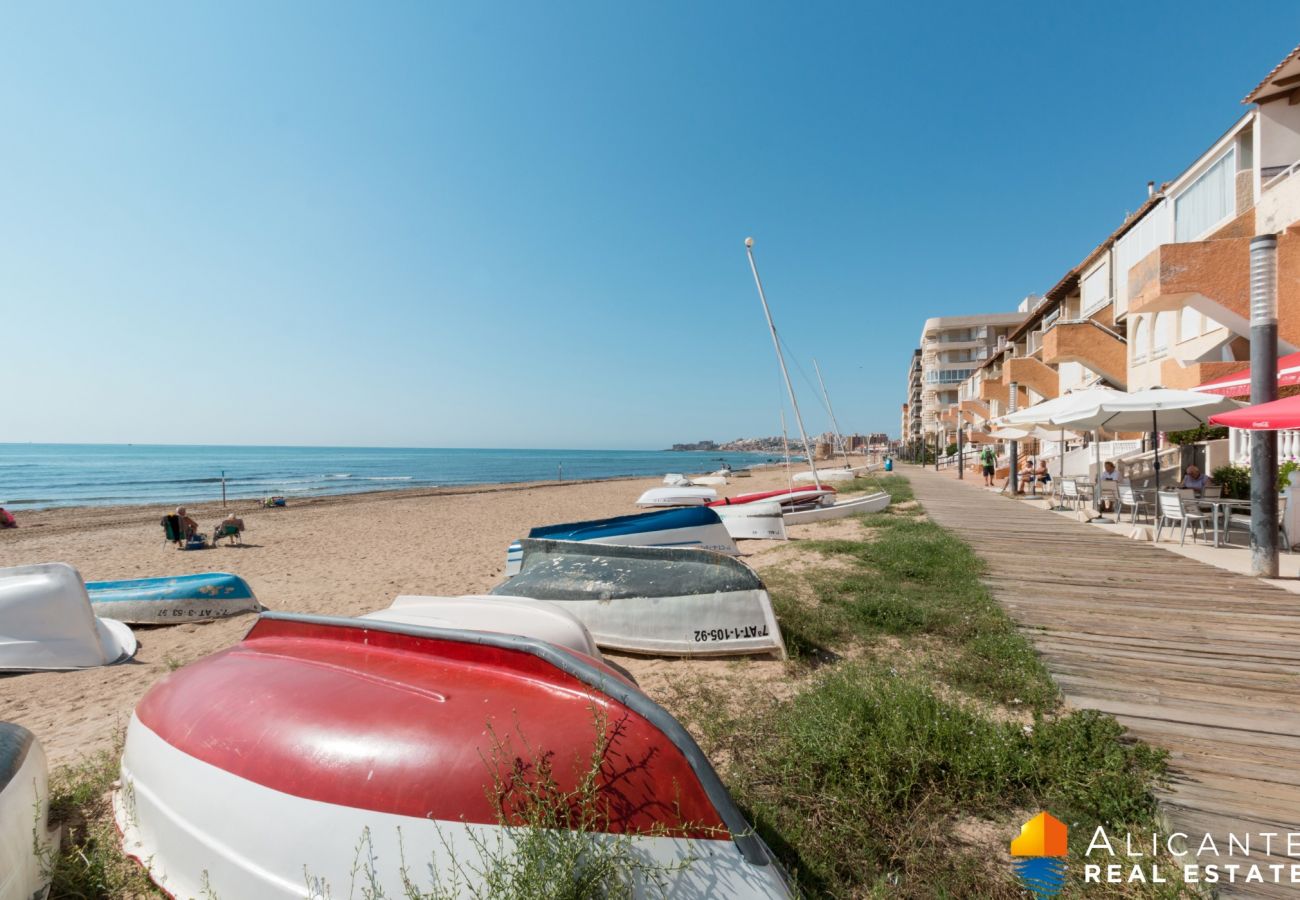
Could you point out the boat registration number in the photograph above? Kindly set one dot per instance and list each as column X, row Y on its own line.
column 731, row 634
column 194, row 614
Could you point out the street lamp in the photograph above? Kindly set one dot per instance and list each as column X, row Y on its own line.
column 1263, row 389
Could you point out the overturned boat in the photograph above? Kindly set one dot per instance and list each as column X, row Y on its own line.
column 826, row 475
column 366, row 753
column 26, row 840
column 840, row 508
column 173, row 600
column 656, row 600
column 761, row 520
column 47, row 623
column 521, row 616
column 680, row 495
column 692, row 526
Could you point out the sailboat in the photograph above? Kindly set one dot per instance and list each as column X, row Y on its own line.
column 829, row 506
column 846, row 473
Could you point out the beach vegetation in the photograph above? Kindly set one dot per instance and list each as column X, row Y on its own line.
column 90, row 864
column 923, row 716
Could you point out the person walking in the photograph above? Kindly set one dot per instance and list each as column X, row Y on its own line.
column 988, row 463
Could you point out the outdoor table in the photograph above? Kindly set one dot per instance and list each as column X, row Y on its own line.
column 1221, row 503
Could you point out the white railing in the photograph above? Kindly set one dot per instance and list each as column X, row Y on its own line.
column 1281, row 176
column 1288, row 445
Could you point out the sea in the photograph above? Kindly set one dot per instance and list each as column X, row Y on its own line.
column 39, row 476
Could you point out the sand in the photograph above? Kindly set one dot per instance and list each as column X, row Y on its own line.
column 335, row 556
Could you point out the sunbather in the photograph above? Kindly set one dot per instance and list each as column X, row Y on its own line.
column 189, row 527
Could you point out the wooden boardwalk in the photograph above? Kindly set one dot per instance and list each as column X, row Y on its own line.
column 1189, row 657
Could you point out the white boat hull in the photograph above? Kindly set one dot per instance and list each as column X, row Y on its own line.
column 25, row 836
column 47, row 623
column 677, row 496
column 653, row 600
column 857, row 506
column 484, row 612
column 753, row 521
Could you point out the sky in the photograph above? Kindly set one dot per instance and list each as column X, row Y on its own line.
column 522, row 224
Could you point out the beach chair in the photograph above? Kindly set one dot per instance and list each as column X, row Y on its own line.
column 172, row 532
column 232, row 533
column 1130, row 498
column 1178, row 510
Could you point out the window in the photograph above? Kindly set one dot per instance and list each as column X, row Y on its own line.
column 1208, row 200
column 1095, row 290
column 1144, row 237
column 1160, row 335
column 1140, row 339
column 1189, row 324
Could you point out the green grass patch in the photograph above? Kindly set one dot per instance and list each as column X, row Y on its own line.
column 898, row 487
column 913, row 577
column 852, row 780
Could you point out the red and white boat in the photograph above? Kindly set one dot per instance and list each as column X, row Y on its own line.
column 320, row 754
column 791, row 499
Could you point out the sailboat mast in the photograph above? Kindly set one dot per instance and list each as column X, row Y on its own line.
column 749, row 251
column 785, row 442
column 836, row 425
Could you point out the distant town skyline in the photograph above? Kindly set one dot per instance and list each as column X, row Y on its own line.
column 490, row 226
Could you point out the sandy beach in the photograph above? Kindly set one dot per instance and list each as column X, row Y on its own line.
column 341, row 556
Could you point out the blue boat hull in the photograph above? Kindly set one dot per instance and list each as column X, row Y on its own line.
column 174, row 600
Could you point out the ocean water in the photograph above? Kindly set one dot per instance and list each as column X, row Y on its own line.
column 34, row 476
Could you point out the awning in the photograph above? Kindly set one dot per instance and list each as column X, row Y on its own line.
column 1238, row 383
column 1273, row 416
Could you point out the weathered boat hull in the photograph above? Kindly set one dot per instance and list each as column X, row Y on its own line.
column 846, row 507
column 693, row 526
column 753, row 521
column 359, row 745
column 826, row 476
column 173, row 600
column 25, row 836
column 789, row 498
column 653, row 600
column 47, row 624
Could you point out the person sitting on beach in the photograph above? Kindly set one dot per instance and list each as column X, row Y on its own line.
column 7, row 519
column 1194, row 479
column 230, row 527
column 189, row 527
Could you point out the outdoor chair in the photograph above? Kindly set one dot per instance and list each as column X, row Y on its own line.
column 233, row 534
column 1244, row 521
column 1212, row 491
column 172, row 533
column 1070, row 495
column 1177, row 510
column 1130, row 498
column 1109, row 496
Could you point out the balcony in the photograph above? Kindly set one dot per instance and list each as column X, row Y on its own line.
column 1213, row 277
column 1030, row 373
column 1090, row 344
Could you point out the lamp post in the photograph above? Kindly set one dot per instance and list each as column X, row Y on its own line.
column 1014, row 480
column 961, row 451
column 1263, row 388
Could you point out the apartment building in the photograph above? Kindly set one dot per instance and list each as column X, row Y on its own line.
column 911, row 423
column 952, row 348
column 1164, row 299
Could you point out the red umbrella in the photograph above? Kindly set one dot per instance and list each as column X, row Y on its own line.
column 1275, row 415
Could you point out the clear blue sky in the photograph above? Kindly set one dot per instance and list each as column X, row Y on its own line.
column 521, row 224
